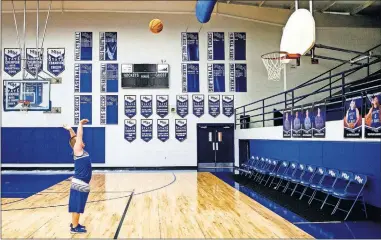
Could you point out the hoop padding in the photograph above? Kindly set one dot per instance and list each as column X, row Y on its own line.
column 274, row 63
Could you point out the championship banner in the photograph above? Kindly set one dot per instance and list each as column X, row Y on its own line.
column 238, row 77
column 297, row 116
column 287, row 120
column 163, row 129
column 82, row 108
column 56, row 60
column 12, row 61
column 307, row 120
column 34, row 60
column 109, row 77
column 318, row 126
column 182, row 105
column 146, row 105
column 353, row 119
column 181, row 129
column 130, row 130
column 108, row 46
column 190, row 77
column 190, row 48
column 130, row 105
column 162, row 105
column 109, row 109
column 237, row 46
column 214, row 105
column 373, row 116
column 83, row 77
column 216, row 46
column 198, row 105
column 216, row 77
column 83, row 46
column 228, row 105
column 146, row 130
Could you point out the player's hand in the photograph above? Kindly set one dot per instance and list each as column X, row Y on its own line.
column 84, row 121
column 67, row 127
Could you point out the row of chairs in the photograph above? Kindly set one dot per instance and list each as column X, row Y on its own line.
column 342, row 185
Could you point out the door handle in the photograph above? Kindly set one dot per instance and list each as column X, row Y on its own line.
column 216, row 146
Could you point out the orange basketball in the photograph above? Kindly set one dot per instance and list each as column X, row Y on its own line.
column 156, row 25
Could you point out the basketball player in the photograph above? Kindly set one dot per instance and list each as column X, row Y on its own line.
column 287, row 124
column 352, row 117
column 79, row 190
column 374, row 113
column 319, row 122
column 296, row 121
column 307, row 121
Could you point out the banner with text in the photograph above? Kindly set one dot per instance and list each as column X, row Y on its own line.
column 83, row 46
column 56, row 60
column 83, row 77
column 353, row 119
column 181, row 129
column 83, row 108
column 163, row 129
column 373, row 116
column 109, row 77
column 216, row 46
column 34, row 60
column 214, row 105
column 237, row 46
column 162, row 105
column 182, row 105
column 109, row 109
column 238, row 77
column 190, row 77
column 216, row 77
column 108, row 46
column 198, row 104
column 146, row 129
column 190, row 48
column 130, row 130
column 146, row 105
column 318, row 126
column 130, row 105
column 228, row 105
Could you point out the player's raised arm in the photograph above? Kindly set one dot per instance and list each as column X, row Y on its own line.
column 78, row 146
column 71, row 131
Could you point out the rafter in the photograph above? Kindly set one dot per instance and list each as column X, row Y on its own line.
column 261, row 3
column 328, row 6
column 362, row 7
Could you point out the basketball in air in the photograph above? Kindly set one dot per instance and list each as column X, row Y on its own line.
column 156, row 25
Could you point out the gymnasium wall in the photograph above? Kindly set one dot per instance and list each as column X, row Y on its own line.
column 137, row 45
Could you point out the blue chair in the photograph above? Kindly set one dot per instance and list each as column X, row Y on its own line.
column 262, row 169
column 288, row 175
column 303, row 172
column 245, row 167
column 258, row 166
column 327, row 181
column 274, row 166
column 328, row 188
column 280, row 171
column 295, row 178
column 306, row 179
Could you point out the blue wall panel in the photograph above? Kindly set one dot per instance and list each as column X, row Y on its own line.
column 359, row 157
column 48, row 145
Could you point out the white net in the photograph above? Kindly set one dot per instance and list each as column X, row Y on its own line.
column 24, row 106
column 274, row 63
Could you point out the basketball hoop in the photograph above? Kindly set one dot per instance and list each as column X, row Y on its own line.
column 24, row 105
column 275, row 61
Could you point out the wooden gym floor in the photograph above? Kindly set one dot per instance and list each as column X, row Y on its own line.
column 147, row 205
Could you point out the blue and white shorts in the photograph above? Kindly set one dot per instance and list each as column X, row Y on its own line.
column 79, row 192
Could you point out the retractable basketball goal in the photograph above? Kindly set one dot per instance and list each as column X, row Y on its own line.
column 275, row 62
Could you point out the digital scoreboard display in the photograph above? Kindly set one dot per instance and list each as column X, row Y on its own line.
column 145, row 75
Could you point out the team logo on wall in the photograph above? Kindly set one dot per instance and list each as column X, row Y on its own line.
column 181, row 129
column 190, row 77
column 146, row 105
column 109, row 77
column 108, row 46
column 238, row 77
column 307, row 119
column 83, row 46
column 83, row 108
column 109, row 109
column 162, row 105
column 216, row 46
column 130, row 130
column 190, row 49
column 12, row 61
column 237, row 46
column 146, row 129
column 182, row 105
column 318, row 125
column 216, row 77
column 34, row 60
column 83, row 77
column 214, row 105
column 287, row 120
column 163, row 129
column 353, row 119
column 198, row 104
column 373, row 116
column 228, row 105
column 56, row 60
column 297, row 122
column 130, row 105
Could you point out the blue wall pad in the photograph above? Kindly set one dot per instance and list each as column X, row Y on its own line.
column 357, row 157
column 204, row 9
column 48, row 145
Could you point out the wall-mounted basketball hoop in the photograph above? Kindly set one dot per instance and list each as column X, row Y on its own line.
column 275, row 61
column 24, row 105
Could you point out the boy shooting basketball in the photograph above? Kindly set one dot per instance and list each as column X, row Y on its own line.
column 79, row 190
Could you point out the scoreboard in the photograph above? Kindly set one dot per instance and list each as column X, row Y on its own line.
column 145, row 75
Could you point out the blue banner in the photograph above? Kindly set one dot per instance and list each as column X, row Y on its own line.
column 146, row 105
column 109, row 77
column 190, row 77
column 83, row 108
column 353, row 119
column 182, row 105
column 216, row 77
column 34, row 60
column 109, row 109
column 373, row 116
column 146, row 130
column 108, row 46
column 198, row 105
column 228, row 105
column 237, row 46
column 238, row 77
column 307, row 120
column 287, row 120
column 318, row 125
column 297, row 116
column 181, row 129
column 190, row 48
column 56, row 60
column 130, row 130
column 214, row 105
column 83, row 77
column 163, row 129
column 216, row 46
column 12, row 61
column 130, row 105
column 162, row 105
column 83, row 46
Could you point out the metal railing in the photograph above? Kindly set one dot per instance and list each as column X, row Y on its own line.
column 333, row 86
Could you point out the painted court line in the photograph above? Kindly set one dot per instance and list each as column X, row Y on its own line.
column 316, row 222
column 124, row 215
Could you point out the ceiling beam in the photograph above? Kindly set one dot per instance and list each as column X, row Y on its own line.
column 362, row 7
column 261, row 3
column 328, row 6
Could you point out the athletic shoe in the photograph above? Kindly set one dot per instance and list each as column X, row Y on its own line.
column 77, row 230
column 79, row 225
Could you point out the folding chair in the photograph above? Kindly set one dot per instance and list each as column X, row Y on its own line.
column 245, row 166
column 280, row 171
column 325, row 184
column 297, row 177
column 274, row 165
column 261, row 168
column 307, row 179
column 265, row 170
column 288, row 175
column 337, row 181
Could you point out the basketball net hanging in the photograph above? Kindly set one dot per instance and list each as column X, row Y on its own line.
column 274, row 63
